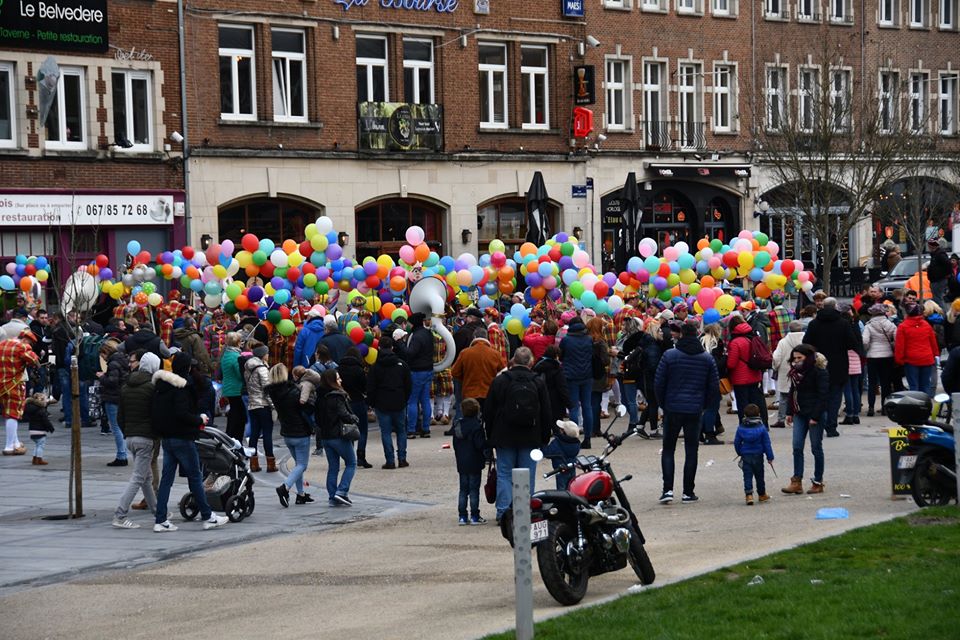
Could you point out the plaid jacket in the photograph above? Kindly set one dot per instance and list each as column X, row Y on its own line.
column 625, row 312
column 442, row 384
column 498, row 340
column 780, row 320
column 282, row 347
column 609, row 332
column 214, row 339
column 15, row 357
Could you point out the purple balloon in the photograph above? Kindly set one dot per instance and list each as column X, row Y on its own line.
column 363, row 349
column 334, row 251
column 277, row 283
column 106, row 273
column 459, row 265
column 255, row 294
column 167, row 257
column 554, row 293
column 566, row 262
column 660, row 283
column 323, row 273
column 562, row 237
column 386, row 295
column 370, row 267
column 610, row 279
column 534, row 279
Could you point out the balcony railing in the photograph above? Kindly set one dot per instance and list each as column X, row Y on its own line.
column 664, row 135
column 656, row 134
column 691, row 136
column 807, row 16
column 783, row 13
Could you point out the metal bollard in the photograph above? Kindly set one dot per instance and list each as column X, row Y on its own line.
column 522, row 557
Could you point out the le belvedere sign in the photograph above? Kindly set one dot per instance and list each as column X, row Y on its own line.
column 74, row 25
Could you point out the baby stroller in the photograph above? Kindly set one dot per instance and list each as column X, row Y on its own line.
column 227, row 481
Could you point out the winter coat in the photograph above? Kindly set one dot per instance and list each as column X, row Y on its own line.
column 602, row 352
column 353, row 377
column 552, row 373
column 739, row 372
column 191, row 343
column 418, row 350
column 148, row 341
column 476, row 368
column 811, row 395
column 333, row 411
column 752, row 438
column 950, row 378
column 538, row 343
column 308, row 383
column 916, row 343
column 832, row 335
column 118, row 369
column 499, row 432
column 939, row 268
column 687, row 379
column 175, row 411
column 230, row 370
column 389, row 383
column 781, row 359
column 470, row 448
column 937, row 323
column 285, row 397
column 307, row 341
column 878, row 337
column 462, row 337
column 257, row 377
column 337, row 343
column 626, row 346
column 36, row 416
column 134, row 413
column 576, row 352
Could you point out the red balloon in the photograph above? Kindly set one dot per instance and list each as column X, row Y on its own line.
column 545, row 258
column 373, row 282
column 356, row 334
column 285, row 312
column 664, row 269
column 601, row 289
column 250, row 242
column 266, row 269
column 188, row 253
column 624, row 278
column 102, row 261
column 305, row 248
column 143, row 257
column 307, row 267
column 293, row 274
column 731, row 259
column 554, row 253
column 31, row 269
column 787, row 267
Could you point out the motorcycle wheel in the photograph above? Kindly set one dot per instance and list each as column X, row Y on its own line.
column 640, row 561
column 929, row 487
column 566, row 583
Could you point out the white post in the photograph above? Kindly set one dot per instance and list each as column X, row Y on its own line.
column 522, row 558
column 955, row 414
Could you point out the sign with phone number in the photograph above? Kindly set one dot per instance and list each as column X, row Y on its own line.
column 53, row 210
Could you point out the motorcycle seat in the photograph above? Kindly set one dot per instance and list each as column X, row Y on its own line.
column 556, row 495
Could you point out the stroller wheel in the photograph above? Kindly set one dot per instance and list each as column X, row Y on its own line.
column 234, row 509
column 248, row 504
column 188, row 507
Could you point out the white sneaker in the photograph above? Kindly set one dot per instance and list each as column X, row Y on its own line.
column 215, row 521
column 125, row 523
column 164, row 526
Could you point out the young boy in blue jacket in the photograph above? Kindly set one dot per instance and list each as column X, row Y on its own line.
column 751, row 443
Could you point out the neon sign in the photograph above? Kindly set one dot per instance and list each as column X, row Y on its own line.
column 440, row 6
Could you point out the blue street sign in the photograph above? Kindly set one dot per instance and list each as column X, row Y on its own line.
column 578, row 191
column 573, row 8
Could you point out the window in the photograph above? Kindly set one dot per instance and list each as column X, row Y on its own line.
column 618, row 95
column 840, row 11
column 237, row 78
column 776, row 97
column 381, row 226
column 493, row 86
column 840, row 100
column 132, row 110
column 372, row 83
column 616, row 4
column 654, row 105
column 289, row 75
column 808, row 90
column 888, row 96
column 418, row 71
column 807, row 11
column 535, row 92
column 65, row 123
column 506, row 219
column 689, row 6
column 918, row 101
column 653, row 5
column 948, row 14
column 724, row 87
column 918, row 13
column 948, row 104
column 721, row 7
column 688, row 88
column 266, row 218
column 8, row 105
column 888, row 12
column 776, row 9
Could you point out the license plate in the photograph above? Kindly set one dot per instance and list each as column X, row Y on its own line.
column 907, row 462
column 539, row 531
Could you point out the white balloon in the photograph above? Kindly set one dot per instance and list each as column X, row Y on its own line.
column 233, row 268
column 682, row 247
column 279, row 258
column 212, row 301
column 149, row 274
column 324, row 225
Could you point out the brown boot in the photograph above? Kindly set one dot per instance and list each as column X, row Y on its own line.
column 764, row 497
column 749, row 499
column 39, row 462
column 34, row 461
column 815, row 487
column 795, row 486
column 140, row 506
column 271, row 464
column 255, row 464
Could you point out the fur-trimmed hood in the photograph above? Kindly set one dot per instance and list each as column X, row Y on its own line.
column 820, row 361
column 170, row 378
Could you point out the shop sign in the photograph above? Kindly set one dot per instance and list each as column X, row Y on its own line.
column 572, row 8
column 398, row 126
column 583, row 82
column 89, row 210
column 481, row 7
column 440, row 6
column 578, row 191
column 75, row 25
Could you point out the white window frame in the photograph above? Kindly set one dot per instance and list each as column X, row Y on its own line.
column 284, row 58
column 948, row 85
column 947, row 7
column 888, row 100
column 722, row 8
column 807, row 96
column 416, row 66
column 372, row 66
column 61, row 144
column 776, row 10
column 777, row 95
column 724, row 91
column 888, row 12
column 919, row 98
column 841, row 11
column 618, row 92
column 11, row 99
column 807, row 10
column 616, row 4
column 844, row 95
column 129, row 76
column 490, row 71
column 233, row 53
column 918, row 7
column 688, row 7
column 689, row 102
column 528, row 78
column 654, row 6
column 655, row 94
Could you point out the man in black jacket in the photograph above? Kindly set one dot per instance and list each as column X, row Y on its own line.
column 418, row 352
column 144, row 339
column 938, row 271
column 517, row 417
column 833, row 335
column 462, row 338
column 388, row 387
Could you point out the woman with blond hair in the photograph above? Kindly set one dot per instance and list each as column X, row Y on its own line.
column 294, row 429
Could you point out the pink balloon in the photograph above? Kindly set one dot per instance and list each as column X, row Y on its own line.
column 773, row 248
column 797, row 266
column 407, row 254
column 12, row 268
column 714, row 262
column 706, row 298
column 226, row 248
column 415, row 235
column 213, row 253
column 643, row 276
column 670, row 254
column 646, row 250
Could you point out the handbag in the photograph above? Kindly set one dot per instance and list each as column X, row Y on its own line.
column 350, row 431
column 490, row 486
column 725, row 386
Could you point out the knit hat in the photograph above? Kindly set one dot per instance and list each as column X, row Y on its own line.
column 473, row 312
column 261, row 351
column 877, row 310
column 180, row 365
column 149, row 362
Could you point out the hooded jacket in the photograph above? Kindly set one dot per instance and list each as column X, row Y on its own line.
column 389, row 383
column 738, row 354
column 916, row 343
column 498, row 429
column 308, row 383
column 752, row 438
column 879, row 337
column 35, row 413
column 191, row 343
column 552, row 373
column 781, row 359
column 353, row 377
column 832, row 335
column 538, row 343
column 811, row 395
column 687, row 379
column 230, row 369
column 418, row 352
column 333, row 411
column 134, row 414
column 307, row 341
column 576, row 352
column 337, row 343
column 257, row 377
column 118, row 368
column 175, row 413
column 286, row 400
column 469, row 448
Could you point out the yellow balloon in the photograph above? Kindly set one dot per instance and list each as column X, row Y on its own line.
column 371, row 356
column 385, row 261
column 464, row 299
column 725, row 304
column 319, row 242
column 452, row 279
column 373, row 304
column 220, row 271
column 697, row 308
column 295, row 259
column 244, row 259
column 688, row 276
column 269, row 289
column 310, row 230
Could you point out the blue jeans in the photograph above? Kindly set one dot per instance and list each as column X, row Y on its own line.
column 359, row 409
column 469, row 489
column 834, row 398
column 508, row 459
column 419, row 402
column 852, row 396
column 64, row 375
column 801, row 427
column 111, row 410
column 300, row 450
column 918, row 378
column 596, row 399
column 711, row 415
column 753, row 468
column 580, row 396
column 38, row 443
column 392, row 422
column 261, row 424
column 628, row 393
column 673, row 424
column 182, row 453
column 337, row 448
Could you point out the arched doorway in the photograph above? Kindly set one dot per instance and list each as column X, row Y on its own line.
column 274, row 218
column 783, row 222
column 506, row 219
column 382, row 225
column 913, row 210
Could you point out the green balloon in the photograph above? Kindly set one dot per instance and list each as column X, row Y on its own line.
column 567, row 249
column 665, row 295
column 286, row 327
column 762, row 259
column 259, row 258
column 322, row 287
column 274, row 317
column 280, row 272
column 230, row 308
column 368, row 338
column 576, row 289
column 233, row 290
column 762, row 238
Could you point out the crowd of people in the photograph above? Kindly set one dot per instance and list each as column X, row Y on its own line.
column 153, row 379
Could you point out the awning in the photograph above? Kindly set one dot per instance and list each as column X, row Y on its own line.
column 698, row 169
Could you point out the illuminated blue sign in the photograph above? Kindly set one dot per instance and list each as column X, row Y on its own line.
column 573, row 8
column 440, row 6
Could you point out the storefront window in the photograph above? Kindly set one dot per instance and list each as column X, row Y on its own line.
column 507, row 220
column 382, row 227
column 274, row 218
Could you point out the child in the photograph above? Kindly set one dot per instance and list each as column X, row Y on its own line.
column 470, row 446
column 35, row 413
column 563, row 449
column 751, row 443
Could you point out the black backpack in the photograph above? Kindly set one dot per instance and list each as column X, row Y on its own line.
column 633, row 364
column 523, row 401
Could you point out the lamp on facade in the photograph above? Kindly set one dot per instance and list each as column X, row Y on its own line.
column 761, row 207
column 578, row 233
column 343, row 238
column 466, row 235
column 205, row 241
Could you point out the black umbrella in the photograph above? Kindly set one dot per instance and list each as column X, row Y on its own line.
column 538, row 225
column 629, row 226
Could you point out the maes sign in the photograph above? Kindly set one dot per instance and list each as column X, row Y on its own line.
column 75, row 25
column 398, row 126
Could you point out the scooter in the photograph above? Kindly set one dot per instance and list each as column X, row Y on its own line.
column 928, row 463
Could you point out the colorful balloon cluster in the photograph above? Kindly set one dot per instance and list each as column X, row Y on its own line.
column 24, row 273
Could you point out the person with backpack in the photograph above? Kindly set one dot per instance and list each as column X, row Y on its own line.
column 517, row 420
column 111, row 382
column 747, row 358
column 191, row 343
column 257, row 377
column 389, row 384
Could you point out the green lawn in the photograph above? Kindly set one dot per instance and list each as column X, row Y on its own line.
column 899, row 579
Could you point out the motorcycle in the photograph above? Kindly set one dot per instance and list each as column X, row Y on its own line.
column 588, row 529
column 928, row 462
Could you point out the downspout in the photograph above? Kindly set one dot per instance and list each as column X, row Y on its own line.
column 183, row 121
column 753, row 67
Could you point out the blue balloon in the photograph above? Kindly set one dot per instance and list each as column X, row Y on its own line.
column 196, row 285
column 282, row 296
column 634, row 264
column 483, row 303
column 42, row 262
column 6, row 283
column 133, row 247
column 332, row 237
column 267, row 246
column 710, row 316
column 518, row 310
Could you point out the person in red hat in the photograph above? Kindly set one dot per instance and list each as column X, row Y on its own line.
column 16, row 354
column 494, row 333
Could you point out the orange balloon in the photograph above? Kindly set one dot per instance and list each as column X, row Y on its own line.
column 251, row 270
column 26, row 283
column 421, row 253
column 707, row 282
column 386, row 311
column 506, row 273
column 140, row 299
column 382, row 271
column 761, row 291
column 755, row 243
column 506, row 287
column 537, row 293
column 289, row 246
column 528, row 249
column 703, row 243
column 93, row 269
column 241, row 302
column 167, row 270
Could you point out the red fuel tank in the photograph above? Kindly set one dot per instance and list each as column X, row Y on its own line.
column 592, row 486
